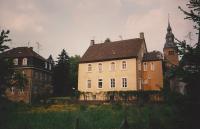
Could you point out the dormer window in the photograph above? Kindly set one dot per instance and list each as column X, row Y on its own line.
column 89, row 67
column 15, row 61
column 24, row 61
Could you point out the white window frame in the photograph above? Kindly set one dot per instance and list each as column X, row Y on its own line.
column 111, row 64
column 89, row 67
column 145, row 66
column 152, row 66
column 89, row 80
column 24, row 61
column 100, row 68
column 124, row 84
column 101, row 82
column 112, row 83
column 122, row 65
column 15, row 61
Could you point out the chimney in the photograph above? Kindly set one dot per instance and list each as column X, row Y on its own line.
column 142, row 35
column 31, row 48
column 91, row 42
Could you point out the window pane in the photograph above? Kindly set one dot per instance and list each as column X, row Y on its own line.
column 89, row 67
column 100, row 83
column 89, row 84
column 124, row 65
column 112, row 83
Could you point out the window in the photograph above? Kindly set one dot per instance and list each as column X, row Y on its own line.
column 100, row 67
column 45, row 65
column 152, row 66
column 24, row 61
column 15, row 61
column 171, row 53
column 124, row 82
column 12, row 90
column 145, row 81
column 21, row 91
column 112, row 82
column 89, row 67
column 124, row 65
column 89, row 83
column 94, row 97
column 145, row 66
column 100, row 83
column 112, row 66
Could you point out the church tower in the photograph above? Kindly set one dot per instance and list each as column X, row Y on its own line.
column 170, row 50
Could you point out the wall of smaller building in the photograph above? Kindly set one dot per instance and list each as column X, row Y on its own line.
column 153, row 78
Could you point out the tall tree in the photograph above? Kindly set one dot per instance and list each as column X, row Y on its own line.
column 189, row 70
column 74, row 61
column 5, row 64
column 61, row 75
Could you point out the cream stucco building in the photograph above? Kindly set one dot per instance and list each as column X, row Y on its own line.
column 111, row 66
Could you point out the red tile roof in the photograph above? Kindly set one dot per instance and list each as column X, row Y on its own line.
column 123, row 49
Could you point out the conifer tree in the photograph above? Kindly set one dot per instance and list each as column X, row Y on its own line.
column 61, row 75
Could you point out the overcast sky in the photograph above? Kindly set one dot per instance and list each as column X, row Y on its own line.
column 71, row 24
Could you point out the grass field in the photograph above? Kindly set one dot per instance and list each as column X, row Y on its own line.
column 20, row 116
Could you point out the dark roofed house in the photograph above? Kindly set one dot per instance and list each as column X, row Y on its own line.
column 36, row 69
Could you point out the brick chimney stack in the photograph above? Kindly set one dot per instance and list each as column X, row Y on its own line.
column 92, row 42
column 142, row 35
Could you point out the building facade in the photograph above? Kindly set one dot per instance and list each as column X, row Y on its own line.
column 35, row 68
column 117, row 66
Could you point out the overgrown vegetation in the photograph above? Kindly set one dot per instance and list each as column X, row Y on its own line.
column 20, row 116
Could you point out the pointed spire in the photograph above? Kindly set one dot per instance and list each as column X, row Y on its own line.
column 169, row 27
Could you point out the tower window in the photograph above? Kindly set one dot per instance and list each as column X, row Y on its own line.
column 171, row 53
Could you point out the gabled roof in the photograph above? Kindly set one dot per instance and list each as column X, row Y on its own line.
column 21, row 52
column 123, row 49
column 153, row 56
